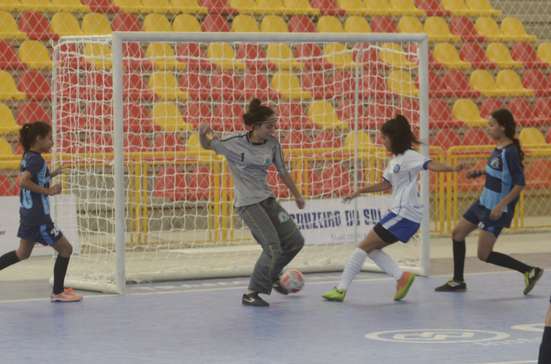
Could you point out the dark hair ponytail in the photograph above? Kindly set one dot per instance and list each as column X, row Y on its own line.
column 398, row 130
column 257, row 113
column 505, row 119
column 29, row 132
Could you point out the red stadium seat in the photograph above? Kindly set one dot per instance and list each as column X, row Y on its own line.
column 197, row 112
column 256, row 85
column 383, row 24
column 328, row 7
column 456, row 84
column 35, row 85
column 175, row 185
column 476, row 136
column 31, row 111
column 538, row 174
column 228, row 86
column 464, row 27
column 474, row 53
column 137, row 119
column 193, row 55
column 523, row 111
column 548, row 136
column 137, row 143
column 301, row 24
column 328, row 139
column 291, row 115
column 168, row 142
column 431, row 7
column 318, row 84
column 36, row 25
column 542, row 110
column 536, row 80
column 8, row 57
column 446, row 138
column 196, row 84
column 440, row 114
column 101, row 6
column 296, row 139
column 228, row 117
column 215, row 23
column 311, row 55
column 217, row 6
column 488, row 106
column 333, row 180
column 525, row 53
column 8, row 186
column 124, row 22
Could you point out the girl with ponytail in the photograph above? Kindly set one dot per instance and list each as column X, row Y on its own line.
column 403, row 220
column 495, row 208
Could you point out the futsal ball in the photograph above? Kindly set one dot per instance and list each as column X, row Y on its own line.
column 292, row 280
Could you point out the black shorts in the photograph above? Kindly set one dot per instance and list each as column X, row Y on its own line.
column 384, row 234
column 479, row 215
column 45, row 234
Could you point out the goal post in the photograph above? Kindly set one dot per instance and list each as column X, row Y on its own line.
column 151, row 205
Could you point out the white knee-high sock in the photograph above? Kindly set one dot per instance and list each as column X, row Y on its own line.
column 385, row 262
column 352, row 268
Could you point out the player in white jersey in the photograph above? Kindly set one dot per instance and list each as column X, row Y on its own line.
column 403, row 219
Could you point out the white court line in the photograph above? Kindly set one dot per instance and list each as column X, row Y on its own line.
column 513, row 362
column 215, row 289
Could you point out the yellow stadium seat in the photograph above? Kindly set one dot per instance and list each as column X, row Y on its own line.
column 400, row 82
column 8, row 90
column 96, row 24
column 513, row 29
column 456, row 7
column 352, row 7
column 7, row 121
column 363, row 137
column 273, row 23
column 483, row 82
column 5, row 147
column 465, row 110
column 288, row 85
column 446, row 54
column 323, row 115
column 393, row 55
column 65, row 24
column 511, row 85
column 8, row 5
column 165, row 86
column 499, row 54
column 406, row 7
column 69, row 5
column 34, row 54
column 244, row 23
column 329, row 24
column 410, row 24
column 482, row 7
column 159, row 6
column 33, row 5
column 9, row 29
column 544, row 52
column 531, row 136
column 98, row 54
column 244, row 6
column 299, row 7
column 488, row 28
column 130, row 6
column 163, row 56
column 438, row 30
column 338, row 55
column 356, row 24
column 156, row 23
column 378, row 7
column 186, row 23
column 281, row 55
column 270, row 7
column 188, row 6
column 223, row 55
column 167, row 115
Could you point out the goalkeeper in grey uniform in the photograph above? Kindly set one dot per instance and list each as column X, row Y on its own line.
column 249, row 156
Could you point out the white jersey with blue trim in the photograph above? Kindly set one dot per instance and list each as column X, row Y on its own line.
column 402, row 172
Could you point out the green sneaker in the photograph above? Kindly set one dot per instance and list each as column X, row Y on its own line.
column 335, row 294
column 531, row 278
column 403, row 285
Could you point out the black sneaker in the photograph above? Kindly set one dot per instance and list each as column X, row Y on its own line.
column 253, row 299
column 280, row 289
column 531, row 278
column 452, row 286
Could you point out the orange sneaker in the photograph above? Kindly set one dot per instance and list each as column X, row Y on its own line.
column 66, row 296
column 403, row 285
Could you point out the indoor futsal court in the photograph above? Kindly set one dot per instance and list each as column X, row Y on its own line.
column 203, row 322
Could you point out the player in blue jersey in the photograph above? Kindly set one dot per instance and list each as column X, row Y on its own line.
column 36, row 225
column 495, row 208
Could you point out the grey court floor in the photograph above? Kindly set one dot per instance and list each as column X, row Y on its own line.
column 204, row 322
